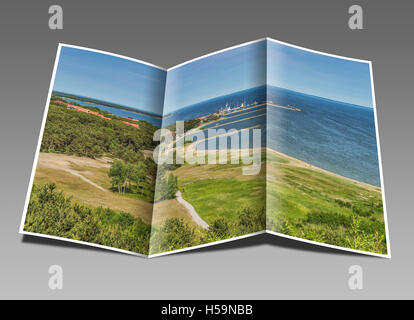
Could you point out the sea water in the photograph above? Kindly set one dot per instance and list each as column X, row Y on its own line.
column 335, row 136
column 119, row 112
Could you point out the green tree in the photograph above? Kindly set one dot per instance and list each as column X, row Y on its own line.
column 172, row 186
column 118, row 175
column 138, row 176
column 51, row 212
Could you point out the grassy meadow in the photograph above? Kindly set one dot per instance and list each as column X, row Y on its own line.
column 217, row 190
column 231, row 203
column 310, row 203
column 86, row 181
column 94, row 180
column 51, row 212
column 288, row 196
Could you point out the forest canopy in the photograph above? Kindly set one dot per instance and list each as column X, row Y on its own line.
column 72, row 132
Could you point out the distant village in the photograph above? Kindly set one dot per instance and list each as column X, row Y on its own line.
column 86, row 110
column 225, row 110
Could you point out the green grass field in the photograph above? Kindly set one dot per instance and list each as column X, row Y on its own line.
column 221, row 190
column 288, row 196
column 67, row 171
column 306, row 202
column 52, row 212
column 301, row 200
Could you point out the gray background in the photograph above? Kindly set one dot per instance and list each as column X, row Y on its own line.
column 167, row 33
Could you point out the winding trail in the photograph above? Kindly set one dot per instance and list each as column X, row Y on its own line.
column 197, row 219
column 64, row 165
column 77, row 174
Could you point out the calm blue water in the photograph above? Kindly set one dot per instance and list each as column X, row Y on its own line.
column 119, row 112
column 335, row 136
column 254, row 118
column 213, row 105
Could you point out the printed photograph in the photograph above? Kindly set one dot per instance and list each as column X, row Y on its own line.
column 260, row 137
column 95, row 174
column 323, row 172
column 318, row 177
column 221, row 100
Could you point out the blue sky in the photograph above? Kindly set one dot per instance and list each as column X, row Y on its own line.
column 316, row 74
column 137, row 85
column 219, row 74
column 287, row 67
column 105, row 77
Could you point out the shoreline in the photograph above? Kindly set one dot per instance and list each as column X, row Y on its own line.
column 292, row 161
column 307, row 165
column 98, row 102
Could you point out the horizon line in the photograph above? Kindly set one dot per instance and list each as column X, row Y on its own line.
column 308, row 94
column 111, row 102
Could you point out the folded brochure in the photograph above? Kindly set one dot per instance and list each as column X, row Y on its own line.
column 261, row 137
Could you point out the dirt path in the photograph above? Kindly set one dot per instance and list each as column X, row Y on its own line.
column 75, row 173
column 63, row 164
column 87, row 181
column 197, row 219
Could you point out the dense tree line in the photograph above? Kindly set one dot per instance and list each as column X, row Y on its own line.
column 188, row 125
column 62, row 96
column 176, row 234
column 166, row 188
column 130, row 177
column 167, row 184
column 361, row 230
column 73, row 132
column 51, row 212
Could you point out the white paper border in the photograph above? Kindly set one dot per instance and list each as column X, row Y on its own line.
column 34, row 166
column 21, row 231
column 207, row 244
